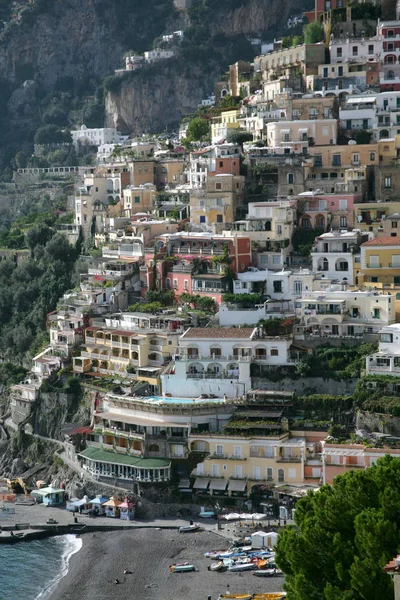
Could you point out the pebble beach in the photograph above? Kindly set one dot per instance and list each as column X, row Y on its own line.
column 148, row 554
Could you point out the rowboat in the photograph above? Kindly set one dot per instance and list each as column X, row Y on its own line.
column 242, row 567
column 217, row 566
column 189, row 528
column 181, row 568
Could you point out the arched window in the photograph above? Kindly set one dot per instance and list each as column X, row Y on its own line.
column 281, row 475
column 154, row 448
column 390, row 75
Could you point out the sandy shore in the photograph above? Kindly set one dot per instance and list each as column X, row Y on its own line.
column 148, row 553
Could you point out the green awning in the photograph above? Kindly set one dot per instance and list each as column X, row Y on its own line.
column 98, row 455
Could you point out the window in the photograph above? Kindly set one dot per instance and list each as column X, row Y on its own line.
column 343, row 204
column 339, row 52
column 348, row 124
column 215, row 470
column 220, row 218
column 237, row 451
column 270, row 474
column 356, row 159
column 221, row 163
column 175, row 284
column 238, row 471
column 396, row 279
column 387, row 338
column 395, row 261
column 277, row 287
column 219, row 449
column 388, row 183
column 137, row 199
column 343, row 221
column 376, row 313
column 279, row 230
column 318, row 160
column 286, row 137
column 394, row 224
column 292, row 473
column 374, row 261
column 186, row 285
column 355, row 50
column 370, row 49
column 202, row 219
column 274, row 352
column 337, row 160
column 298, row 287
column 218, row 186
column 340, row 71
column 372, row 156
column 256, row 473
column 313, row 113
column 325, row 72
column 290, row 178
column 276, row 259
column 281, row 475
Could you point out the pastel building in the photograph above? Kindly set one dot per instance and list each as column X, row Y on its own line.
column 341, row 458
column 387, row 360
column 380, row 261
column 333, row 254
column 217, row 360
column 299, row 135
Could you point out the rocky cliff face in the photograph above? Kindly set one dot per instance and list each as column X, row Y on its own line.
column 158, row 98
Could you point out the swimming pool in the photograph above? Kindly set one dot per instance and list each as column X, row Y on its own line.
column 172, row 400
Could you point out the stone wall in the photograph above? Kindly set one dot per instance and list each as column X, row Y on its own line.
column 378, row 422
column 305, row 386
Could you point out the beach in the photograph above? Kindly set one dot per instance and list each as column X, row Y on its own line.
column 148, row 554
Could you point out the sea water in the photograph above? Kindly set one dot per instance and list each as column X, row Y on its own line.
column 32, row 570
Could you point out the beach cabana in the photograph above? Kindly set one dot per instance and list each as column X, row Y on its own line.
column 112, row 507
column 127, row 510
column 259, row 539
column 49, row 495
column 71, row 504
column 96, row 504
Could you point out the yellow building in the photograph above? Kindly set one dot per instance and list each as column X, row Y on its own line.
column 218, row 203
column 227, row 121
column 139, row 199
column 389, row 149
column 378, row 217
column 142, row 171
column 380, row 261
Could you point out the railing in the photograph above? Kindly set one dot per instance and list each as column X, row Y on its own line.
column 289, row 459
column 211, row 376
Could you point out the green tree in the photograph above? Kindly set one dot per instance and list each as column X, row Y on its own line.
column 363, row 136
column 7, row 175
column 313, row 33
column 51, row 134
column 198, row 129
column 344, row 535
column 238, row 137
column 21, row 160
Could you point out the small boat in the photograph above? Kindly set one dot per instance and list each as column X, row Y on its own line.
column 242, row 548
column 268, row 573
column 181, row 568
column 242, row 567
column 217, row 566
column 207, row 514
column 213, row 554
column 189, row 528
column 230, row 554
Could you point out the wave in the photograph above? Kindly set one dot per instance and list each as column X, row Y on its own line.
column 72, row 544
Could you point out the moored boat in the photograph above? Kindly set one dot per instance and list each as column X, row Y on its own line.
column 235, row 597
column 217, row 566
column 242, row 567
column 189, row 528
column 207, row 514
column 181, row 568
column 268, row 573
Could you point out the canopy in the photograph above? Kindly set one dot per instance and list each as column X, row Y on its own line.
column 236, row 485
column 112, row 502
column 48, row 490
column 201, row 484
column 98, row 500
column 218, row 484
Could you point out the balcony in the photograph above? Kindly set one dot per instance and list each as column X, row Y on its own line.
column 211, row 376
column 289, row 459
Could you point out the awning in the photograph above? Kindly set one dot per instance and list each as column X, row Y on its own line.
column 201, row 484
column 237, row 485
column 361, row 100
column 304, row 130
column 218, row 484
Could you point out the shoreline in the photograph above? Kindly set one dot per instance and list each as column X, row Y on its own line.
column 147, row 554
column 73, row 546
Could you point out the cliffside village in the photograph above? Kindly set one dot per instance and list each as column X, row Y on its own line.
column 195, row 408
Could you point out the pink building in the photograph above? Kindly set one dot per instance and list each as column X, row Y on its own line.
column 340, row 458
column 326, row 210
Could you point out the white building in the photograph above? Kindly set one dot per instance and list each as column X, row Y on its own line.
column 217, row 361
column 387, row 360
column 337, row 312
column 355, row 50
column 332, row 254
column 158, row 54
column 95, row 137
column 359, row 112
column 297, row 134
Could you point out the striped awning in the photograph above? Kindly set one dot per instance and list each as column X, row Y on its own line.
column 201, row 483
column 237, row 485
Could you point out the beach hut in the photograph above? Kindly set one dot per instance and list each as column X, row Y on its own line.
column 49, row 495
column 96, row 504
column 71, row 504
column 127, row 510
column 259, row 539
column 112, row 507
column 272, row 538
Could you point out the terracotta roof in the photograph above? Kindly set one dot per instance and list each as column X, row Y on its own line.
column 216, row 333
column 383, row 241
column 392, row 566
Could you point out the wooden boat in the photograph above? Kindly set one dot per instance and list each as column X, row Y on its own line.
column 189, row 528
column 217, row 566
column 242, row 567
column 181, row 568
